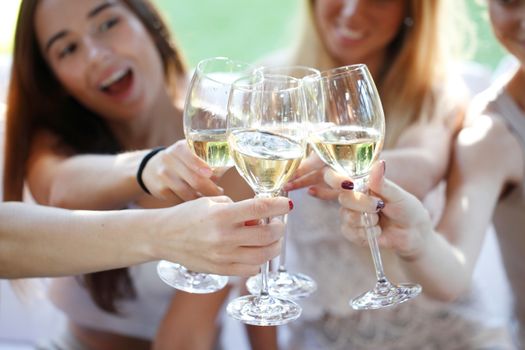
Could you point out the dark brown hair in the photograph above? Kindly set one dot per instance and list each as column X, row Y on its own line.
column 36, row 100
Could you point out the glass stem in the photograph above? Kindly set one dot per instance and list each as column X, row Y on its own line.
column 282, row 256
column 362, row 186
column 265, row 268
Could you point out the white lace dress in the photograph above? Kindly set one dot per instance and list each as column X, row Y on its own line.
column 343, row 270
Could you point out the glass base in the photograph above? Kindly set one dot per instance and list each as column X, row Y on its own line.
column 384, row 295
column 284, row 285
column 183, row 279
column 263, row 310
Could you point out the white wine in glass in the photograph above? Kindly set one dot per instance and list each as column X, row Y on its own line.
column 205, row 113
column 267, row 145
column 348, row 135
column 281, row 282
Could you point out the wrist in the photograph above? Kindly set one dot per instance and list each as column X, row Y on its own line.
column 142, row 165
column 419, row 248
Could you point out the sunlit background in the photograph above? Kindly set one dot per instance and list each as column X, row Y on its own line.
column 233, row 28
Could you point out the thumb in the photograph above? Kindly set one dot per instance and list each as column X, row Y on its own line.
column 391, row 193
column 383, row 188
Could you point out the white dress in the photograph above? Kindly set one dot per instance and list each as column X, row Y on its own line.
column 343, row 270
column 139, row 317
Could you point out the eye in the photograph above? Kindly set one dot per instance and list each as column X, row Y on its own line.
column 104, row 27
column 67, row 50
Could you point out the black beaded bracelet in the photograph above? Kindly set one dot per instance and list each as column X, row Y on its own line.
column 142, row 165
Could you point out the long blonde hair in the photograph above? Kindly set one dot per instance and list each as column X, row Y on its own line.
column 415, row 84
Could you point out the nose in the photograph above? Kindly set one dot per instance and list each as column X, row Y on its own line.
column 353, row 10
column 95, row 50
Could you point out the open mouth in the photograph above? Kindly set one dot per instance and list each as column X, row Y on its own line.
column 117, row 83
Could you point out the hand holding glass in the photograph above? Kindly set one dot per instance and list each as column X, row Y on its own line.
column 348, row 135
column 205, row 130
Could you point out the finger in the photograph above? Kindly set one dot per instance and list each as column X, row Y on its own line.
column 387, row 190
column 257, row 255
column 259, row 235
column 359, row 235
column 309, row 164
column 182, row 151
column 309, row 179
column 360, row 202
column 336, row 180
column 323, row 192
column 179, row 188
column 176, row 168
column 357, row 219
column 258, row 208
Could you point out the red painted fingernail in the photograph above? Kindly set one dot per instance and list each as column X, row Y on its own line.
column 290, row 204
column 380, row 205
column 347, row 185
column 251, row 222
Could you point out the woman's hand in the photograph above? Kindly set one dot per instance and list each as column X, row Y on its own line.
column 177, row 171
column 310, row 174
column 216, row 235
column 398, row 218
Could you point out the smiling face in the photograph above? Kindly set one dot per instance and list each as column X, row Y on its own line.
column 508, row 22
column 358, row 31
column 102, row 55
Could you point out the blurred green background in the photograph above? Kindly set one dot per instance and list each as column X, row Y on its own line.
column 245, row 30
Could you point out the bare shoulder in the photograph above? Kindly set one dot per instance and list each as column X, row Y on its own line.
column 486, row 144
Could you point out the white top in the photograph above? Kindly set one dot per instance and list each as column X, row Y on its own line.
column 140, row 317
column 343, row 270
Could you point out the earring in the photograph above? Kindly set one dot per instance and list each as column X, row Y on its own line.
column 408, row 21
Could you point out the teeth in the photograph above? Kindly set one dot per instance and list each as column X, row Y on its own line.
column 350, row 33
column 113, row 78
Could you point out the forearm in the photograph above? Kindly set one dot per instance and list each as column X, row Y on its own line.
column 40, row 241
column 96, row 181
column 440, row 269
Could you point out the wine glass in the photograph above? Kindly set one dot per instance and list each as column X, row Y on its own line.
column 205, row 130
column 283, row 283
column 348, row 136
column 267, row 144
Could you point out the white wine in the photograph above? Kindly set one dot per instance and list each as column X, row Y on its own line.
column 212, row 147
column 348, row 150
column 265, row 160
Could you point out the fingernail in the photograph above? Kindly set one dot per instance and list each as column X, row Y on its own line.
column 383, row 164
column 290, row 204
column 312, row 191
column 206, row 172
column 347, row 185
column 288, row 187
column 251, row 222
column 380, row 205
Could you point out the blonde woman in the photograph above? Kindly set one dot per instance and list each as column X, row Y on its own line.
column 406, row 45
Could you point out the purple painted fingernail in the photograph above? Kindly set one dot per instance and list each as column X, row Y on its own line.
column 380, row 205
column 347, row 185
